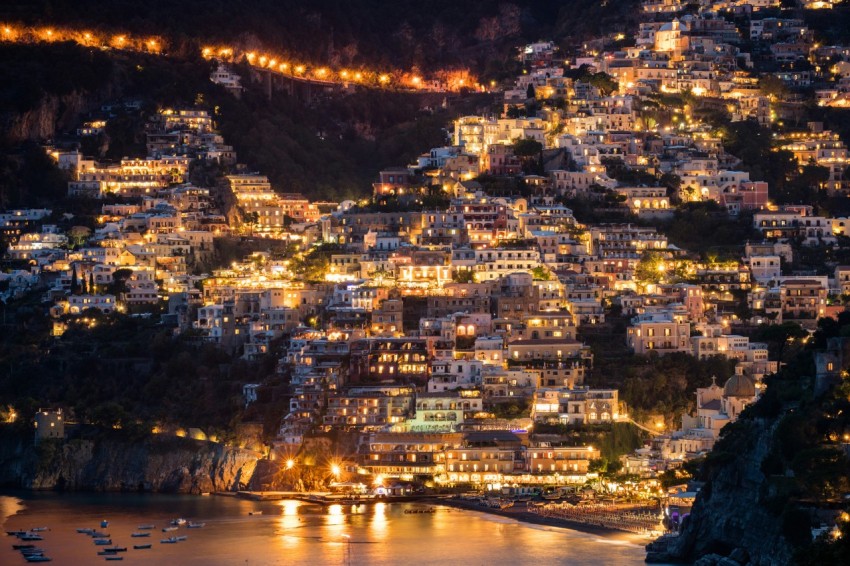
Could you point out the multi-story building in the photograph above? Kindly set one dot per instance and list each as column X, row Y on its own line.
column 663, row 332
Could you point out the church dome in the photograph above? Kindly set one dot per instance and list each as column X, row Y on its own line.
column 739, row 386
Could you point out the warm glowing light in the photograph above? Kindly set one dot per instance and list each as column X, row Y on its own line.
column 358, row 76
column 379, row 480
column 335, row 469
column 384, row 79
column 250, row 57
column 272, row 63
column 290, row 463
column 299, row 69
column 263, row 60
column 343, row 74
column 322, row 72
column 120, row 39
column 206, row 52
column 416, row 80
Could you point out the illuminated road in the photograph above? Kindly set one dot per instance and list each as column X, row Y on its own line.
column 398, row 80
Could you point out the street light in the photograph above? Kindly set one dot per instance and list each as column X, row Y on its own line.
column 335, row 470
column 290, row 464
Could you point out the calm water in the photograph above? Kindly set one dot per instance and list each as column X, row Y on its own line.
column 291, row 532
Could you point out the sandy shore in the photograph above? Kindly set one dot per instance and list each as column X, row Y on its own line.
column 519, row 513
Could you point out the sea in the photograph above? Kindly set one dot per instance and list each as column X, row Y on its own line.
column 242, row 532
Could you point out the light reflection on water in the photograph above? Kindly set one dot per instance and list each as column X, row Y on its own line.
column 294, row 532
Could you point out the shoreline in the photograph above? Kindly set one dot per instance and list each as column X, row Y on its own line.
column 528, row 517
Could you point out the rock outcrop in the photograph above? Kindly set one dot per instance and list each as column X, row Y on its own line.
column 729, row 523
column 52, row 114
column 158, row 464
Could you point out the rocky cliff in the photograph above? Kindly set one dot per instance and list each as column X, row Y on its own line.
column 159, row 464
column 730, row 523
column 52, row 114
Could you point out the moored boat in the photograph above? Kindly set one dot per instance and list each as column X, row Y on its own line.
column 192, row 525
column 116, row 549
column 102, row 541
column 30, row 536
column 38, row 558
column 146, row 527
column 114, row 557
column 179, row 522
column 168, row 529
column 85, row 531
column 39, row 529
column 139, row 535
column 22, row 546
column 141, row 546
column 106, row 553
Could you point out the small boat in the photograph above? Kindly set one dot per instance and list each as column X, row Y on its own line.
column 32, row 552
column 255, row 512
column 85, row 531
column 39, row 558
column 106, row 553
column 104, row 524
column 98, row 534
column 116, row 549
column 181, row 538
column 168, row 529
column 30, row 536
column 113, row 557
column 146, row 527
column 22, row 546
column 141, row 546
column 15, row 533
column 179, row 522
column 39, row 529
column 192, row 525
column 169, row 540
column 140, row 535
column 102, row 541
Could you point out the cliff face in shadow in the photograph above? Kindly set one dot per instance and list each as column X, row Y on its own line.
column 729, row 517
column 52, row 113
column 158, row 464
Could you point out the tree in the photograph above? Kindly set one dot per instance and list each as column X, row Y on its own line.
column 75, row 284
column 527, row 148
column 530, row 93
column 463, row 276
column 772, row 87
column 119, row 281
column 78, row 235
column 540, row 273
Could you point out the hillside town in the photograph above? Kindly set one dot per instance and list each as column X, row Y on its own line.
column 458, row 323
